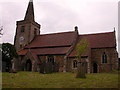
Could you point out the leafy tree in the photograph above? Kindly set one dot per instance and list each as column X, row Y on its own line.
column 81, row 48
column 1, row 30
column 8, row 53
column 0, row 57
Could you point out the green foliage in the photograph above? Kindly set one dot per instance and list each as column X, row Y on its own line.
column 8, row 52
column 81, row 48
column 58, row 80
column 1, row 31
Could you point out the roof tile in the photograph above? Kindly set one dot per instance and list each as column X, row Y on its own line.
column 99, row 40
column 45, row 51
column 57, row 39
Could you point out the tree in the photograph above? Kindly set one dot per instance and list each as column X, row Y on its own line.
column 0, row 57
column 81, row 48
column 8, row 53
column 1, row 30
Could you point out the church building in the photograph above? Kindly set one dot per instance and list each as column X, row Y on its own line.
column 37, row 50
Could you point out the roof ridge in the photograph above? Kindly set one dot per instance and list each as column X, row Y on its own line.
column 96, row 33
column 57, row 33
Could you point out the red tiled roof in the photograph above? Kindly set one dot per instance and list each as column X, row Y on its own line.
column 73, row 53
column 45, row 51
column 23, row 52
column 99, row 40
column 57, row 39
column 43, row 42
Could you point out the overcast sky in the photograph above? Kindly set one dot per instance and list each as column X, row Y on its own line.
column 91, row 16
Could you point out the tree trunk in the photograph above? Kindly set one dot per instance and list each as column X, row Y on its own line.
column 81, row 70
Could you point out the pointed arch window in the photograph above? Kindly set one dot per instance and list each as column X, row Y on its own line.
column 51, row 59
column 75, row 64
column 104, row 58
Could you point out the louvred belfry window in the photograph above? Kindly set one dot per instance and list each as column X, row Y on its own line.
column 22, row 28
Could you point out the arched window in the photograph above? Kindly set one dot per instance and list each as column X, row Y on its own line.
column 51, row 59
column 75, row 64
column 104, row 58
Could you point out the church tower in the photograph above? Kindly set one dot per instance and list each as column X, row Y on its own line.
column 26, row 29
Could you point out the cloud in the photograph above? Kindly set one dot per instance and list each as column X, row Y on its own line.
column 11, row 12
column 96, row 16
column 62, row 15
column 57, row 18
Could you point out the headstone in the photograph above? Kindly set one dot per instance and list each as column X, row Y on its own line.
column 42, row 67
column 48, row 68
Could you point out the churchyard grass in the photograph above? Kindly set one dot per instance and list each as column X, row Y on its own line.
column 58, row 80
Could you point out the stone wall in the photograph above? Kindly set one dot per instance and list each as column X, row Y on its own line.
column 70, row 68
column 21, row 62
column 59, row 59
column 96, row 57
column 69, row 64
column 28, row 34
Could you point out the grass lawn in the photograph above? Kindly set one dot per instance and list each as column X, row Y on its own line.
column 58, row 80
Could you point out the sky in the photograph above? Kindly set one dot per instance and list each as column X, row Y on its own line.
column 91, row 16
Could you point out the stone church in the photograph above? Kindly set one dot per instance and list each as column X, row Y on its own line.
column 36, row 50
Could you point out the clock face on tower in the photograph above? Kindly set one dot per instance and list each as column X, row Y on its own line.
column 21, row 39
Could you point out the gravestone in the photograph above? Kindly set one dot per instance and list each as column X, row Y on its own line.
column 42, row 65
column 48, row 68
